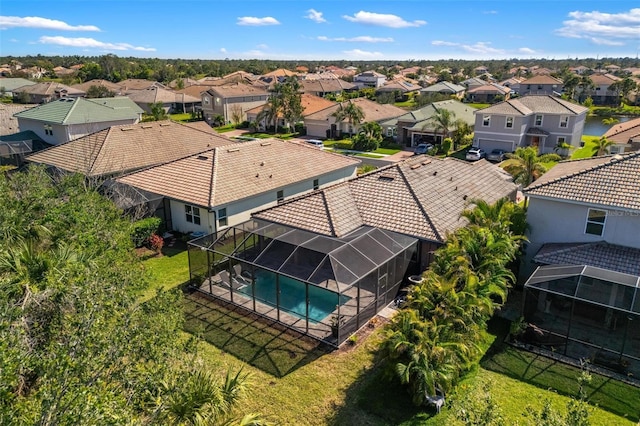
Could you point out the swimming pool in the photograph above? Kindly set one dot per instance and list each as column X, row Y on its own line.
column 292, row 296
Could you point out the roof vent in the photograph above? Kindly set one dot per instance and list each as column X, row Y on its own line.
column 165, row 124
column 435, row 173
column 147, row 127
column 265, row 144
column 202, row 157
column 424, row 163
column 124, row 129
column 616, row 157
column 233, row 149
column 385, row 176
column 416, row 166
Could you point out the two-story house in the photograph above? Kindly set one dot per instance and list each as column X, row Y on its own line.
column 625, row 136
column 542, row 84
column 584, row 243
column 67, row 119
column 370, row 79
column 600, row 92
column 536, row 120
column 231, row 101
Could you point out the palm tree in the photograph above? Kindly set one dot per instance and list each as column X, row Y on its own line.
column 351, row 112
column 525, row 165
column 442, row 121
column 586, row 85
column 461, row 131
column 602, row 145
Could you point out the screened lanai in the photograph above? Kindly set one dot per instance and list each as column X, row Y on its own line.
column 322, row 286
column 586, row 312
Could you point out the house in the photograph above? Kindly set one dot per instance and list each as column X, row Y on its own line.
column 512, row 83
column 68, row 119
column 415, row 127
column 130, row 84
column 542, row 121
column 369, row 79
column 10, row 84
column 584, row 242
column 600, row 92
column 310, row 104
column 580, row 70
column 326, row 86
column 323, row 124
column 472, row 82
column 488, row 93
column 400, row 87
column 446, row 88
column 626, row 136
column 222, row 186
column 8, row 121
column 41, row 93
column 124, row 148
column 541, row 85
column 63, row 72
column 231, row 101
column 14, row 147
column 480, row 70
column 115, row 88
column 171, row 101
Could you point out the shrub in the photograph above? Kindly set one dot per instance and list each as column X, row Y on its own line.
column 156, row 242
column 142, row 230
column 445, row 147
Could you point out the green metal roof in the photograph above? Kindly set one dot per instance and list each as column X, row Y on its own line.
column 13, row 83
column 81, row 110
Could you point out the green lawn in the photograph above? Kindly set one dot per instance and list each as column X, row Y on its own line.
column 587, row 150
column 479, row 106
column 168, row 271
column 180, row 117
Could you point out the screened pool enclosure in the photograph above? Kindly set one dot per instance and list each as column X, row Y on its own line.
column 586, row 312
column 324, row 287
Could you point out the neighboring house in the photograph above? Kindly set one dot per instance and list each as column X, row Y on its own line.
column 112, row 87
column 369, row 79
column 323, row 124
column 584, row 218
column 130, row 84
column 68, row 119
column 534, row 120
column 415, row 127
column 421, row 197
column 41, row 93
column 63, row 72
column 512, row 83
column 480, row 70
column 326, row 86
column 446, row 88
column 626, row 136
column 9, row 123
column 171, row 101
column 401, row 88
column 472, row 82
column 221, row 187
column 310, row 104
column 600, row 93
column 10, row 84
column 580, row 69
column 120, row 149
column 489, row 93
column 541, row 85
column 231, row 101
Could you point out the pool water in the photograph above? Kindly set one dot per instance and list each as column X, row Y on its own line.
column 292, row 296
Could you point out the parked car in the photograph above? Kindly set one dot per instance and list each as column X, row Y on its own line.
column 316, row 142
column 423, row 148
column 475, row 154
column 497, row 155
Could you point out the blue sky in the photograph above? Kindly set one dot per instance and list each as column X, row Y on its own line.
column 322, row 29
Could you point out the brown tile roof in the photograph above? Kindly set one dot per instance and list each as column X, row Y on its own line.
column 235, row 90
column 601, row 255
column 242, row 170
column 373, row 111
column 280, row 72
column 310, row 104
column 542, row 79
column 194, row 90
column 612, row 180
column 8, row 123
column 422, row 196
column 624, row 132
column 326, row 85
column 158, row 94
column 137, row 84
column 48, row 88
column 603, row 79
column 530, row 104
column 128, row 147
column 103, row 83
column 490, row 89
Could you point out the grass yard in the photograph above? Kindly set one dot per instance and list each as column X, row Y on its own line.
column 180, row 117
column 169, row 271
column 587, row 150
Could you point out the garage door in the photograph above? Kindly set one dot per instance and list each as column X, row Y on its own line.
column 489, row 145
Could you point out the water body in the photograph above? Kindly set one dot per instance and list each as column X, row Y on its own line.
column 593, row 125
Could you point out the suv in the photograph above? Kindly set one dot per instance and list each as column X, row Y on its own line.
column 475, row 154
column 315, row 142
column 423, row 148
column 497, row 155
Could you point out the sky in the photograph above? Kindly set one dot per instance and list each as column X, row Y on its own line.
column 322, row 29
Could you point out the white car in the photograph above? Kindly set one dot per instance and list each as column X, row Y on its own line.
column 315, row 142
column 475, row 154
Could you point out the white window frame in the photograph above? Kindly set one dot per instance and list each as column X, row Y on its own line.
column 389, row 131
column 192, row 214
column 593, row 222
column 48, row 130
column 486, row 120
column 222, row 217
column 508, row 123
column 564, row 121
column 206, row 100
column 316, row 184
column 538, row 119
column 616, row 149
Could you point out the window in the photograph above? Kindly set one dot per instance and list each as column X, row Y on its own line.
column 206, row 100
column 564, row 121
column 389, row 131
column 486, row 120
column 509, row 123
column 48, row 130
column 222, row 217
column 562, row 140
column 280, row 196
column 615, row 149
column 538, row 120
column 595, row 222
column 316, row 183
column 192, row 214
column 539, row 87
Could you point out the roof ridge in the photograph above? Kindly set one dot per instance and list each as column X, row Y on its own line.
column 102, row 143
column 325, row 202
column 214, row 174
column 70, row 110
column 419, row 203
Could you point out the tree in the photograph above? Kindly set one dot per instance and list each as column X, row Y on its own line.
column 525, row 165
column 442, row 121
column 157, row 112
column 624, row 87
column 601, row 146
column 351, row 112
column 368, row 138
column 461, row 133
column 586, row 87
column 97, row 91
column 291, row 101
column 571, row 82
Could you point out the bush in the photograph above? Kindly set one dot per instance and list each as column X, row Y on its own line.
column 156, row 242
column 142, row 230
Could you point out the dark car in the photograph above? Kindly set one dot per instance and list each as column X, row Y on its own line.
column 497, row 155
column 423, row 148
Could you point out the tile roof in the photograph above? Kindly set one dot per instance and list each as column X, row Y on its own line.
column 8, row 123
column 103, row 83
column 237, row 171
column 542, row 79
column 601, row 255
column 422, row 116
column 624, row 132
column 604, row 79
column 326, row 85
column 310, row 104
column 137, row 84
column 530, row 104
column 48, row 88
column 158, row 94
column 235, row 90
column 490, row 88
column 611, row 180
column 444, row 86
column 421, row 196
column 81, row 110
column 280, row 72
column 373, row 111
column 128, row 147
column 195, row 90
column 398, row 85
column 13, row 83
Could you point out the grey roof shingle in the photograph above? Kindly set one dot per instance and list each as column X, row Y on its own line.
column 539, row 104
column 612, row 181
column 601, row 254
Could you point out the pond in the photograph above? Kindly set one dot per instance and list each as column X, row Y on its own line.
column 593, row 125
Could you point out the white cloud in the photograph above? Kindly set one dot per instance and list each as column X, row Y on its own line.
column 526, row 50
column 490, row 12
column 257, row 22
column 601, row 27
column 481, row 47
column 223, row 50
column 38, row 22
column 262, row 46
column 91, row 43
column 444, row 43
column 315, row 16
column 13, row 40
column 359, row 39
column 362, row 54
column 382, row 20
column 254, row 54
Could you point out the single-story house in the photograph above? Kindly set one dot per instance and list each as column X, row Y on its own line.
column 488, row 93
column 41, row 93
column 445, row 88
column 171, row 101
